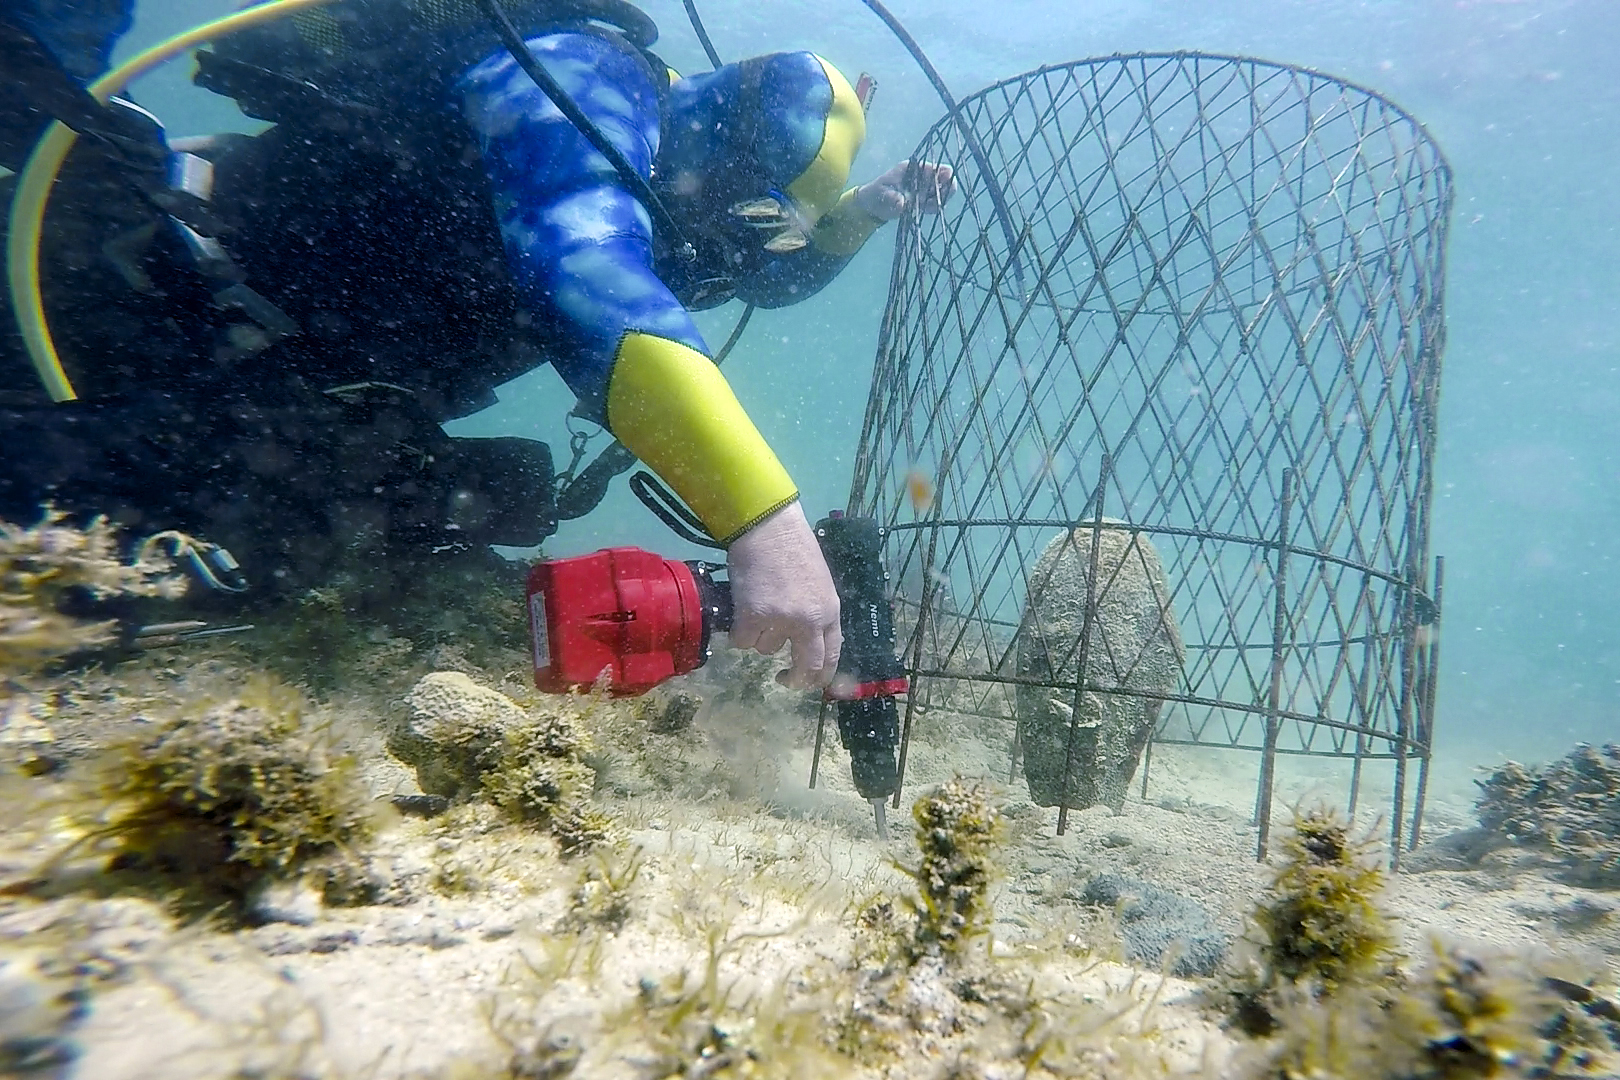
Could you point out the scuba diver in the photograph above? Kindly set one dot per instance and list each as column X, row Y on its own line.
column 260, row 336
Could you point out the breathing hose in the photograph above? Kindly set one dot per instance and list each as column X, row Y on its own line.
column 26, row 223
column 702, row 34
column 998, row 199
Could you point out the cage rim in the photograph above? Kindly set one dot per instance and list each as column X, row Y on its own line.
column 1443, row 162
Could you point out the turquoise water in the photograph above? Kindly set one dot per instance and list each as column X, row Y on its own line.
column 1522, row 97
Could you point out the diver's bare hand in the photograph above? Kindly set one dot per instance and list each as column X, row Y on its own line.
column 887, row 197
column 782, row 591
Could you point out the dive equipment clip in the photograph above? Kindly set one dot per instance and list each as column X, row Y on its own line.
column 213, row 564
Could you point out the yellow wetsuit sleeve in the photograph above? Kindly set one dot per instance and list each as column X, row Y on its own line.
column 844, row 228
column 671, row 406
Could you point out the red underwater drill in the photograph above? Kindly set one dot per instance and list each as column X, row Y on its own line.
column 639, row 619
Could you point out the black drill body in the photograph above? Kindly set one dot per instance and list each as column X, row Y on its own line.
column 869, row 726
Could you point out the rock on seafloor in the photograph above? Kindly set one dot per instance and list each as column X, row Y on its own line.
column 296, row 903
column 451, row 730
column 1156, row 923
column 1134, row 644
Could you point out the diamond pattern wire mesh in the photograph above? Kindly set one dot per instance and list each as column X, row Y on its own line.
column 1216, row 318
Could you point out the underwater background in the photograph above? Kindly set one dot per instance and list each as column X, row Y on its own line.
column 1521, row 95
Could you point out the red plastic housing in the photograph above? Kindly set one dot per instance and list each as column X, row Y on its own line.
column 624, row 611
column 845, row 690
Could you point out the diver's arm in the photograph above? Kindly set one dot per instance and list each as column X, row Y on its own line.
column 580, row 248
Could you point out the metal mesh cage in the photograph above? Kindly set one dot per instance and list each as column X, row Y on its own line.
column 1183, row 323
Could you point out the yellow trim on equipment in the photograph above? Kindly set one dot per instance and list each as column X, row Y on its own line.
column 671, row 406
column 845, row 228
column 816, row 190
column 27, row 220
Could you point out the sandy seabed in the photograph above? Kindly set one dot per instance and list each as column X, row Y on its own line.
column 740, row 889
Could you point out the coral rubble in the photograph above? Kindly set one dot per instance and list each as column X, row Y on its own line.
column 1569, row 809
column 42, row 564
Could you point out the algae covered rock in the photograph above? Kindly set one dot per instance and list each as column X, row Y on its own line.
column 1134, row 644
column 1467, row 1013
column 1569, row 809
column 959, row 831
column 467, row 740
column 453, row 732
column 1321, row 930
column 541, row 779
column 1323, row 923
column 251, row 787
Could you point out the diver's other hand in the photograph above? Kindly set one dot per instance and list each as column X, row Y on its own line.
column 886, row 199
column 781, row 591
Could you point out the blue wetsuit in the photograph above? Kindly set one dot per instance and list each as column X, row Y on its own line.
column 579, row 245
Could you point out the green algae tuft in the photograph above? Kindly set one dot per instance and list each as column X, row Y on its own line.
column 958, row 833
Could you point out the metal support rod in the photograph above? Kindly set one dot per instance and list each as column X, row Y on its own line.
column 821, row 729
column 1404, row 718
column 1361, row 739
column 1430, row 688
column 921, row 632
column 1081, row 660
column 1363, row 703
column 1147, row 760
column 1279, row 630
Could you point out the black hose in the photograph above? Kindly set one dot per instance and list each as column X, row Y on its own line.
column 997, row 198
column 585, row 492
column 559, row 97
column 736, row 335
column 669, row 509
column 702, row 34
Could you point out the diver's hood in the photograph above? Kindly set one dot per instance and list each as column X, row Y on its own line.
column 784, row 127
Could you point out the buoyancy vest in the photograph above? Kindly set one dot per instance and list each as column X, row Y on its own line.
column 365, row 212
